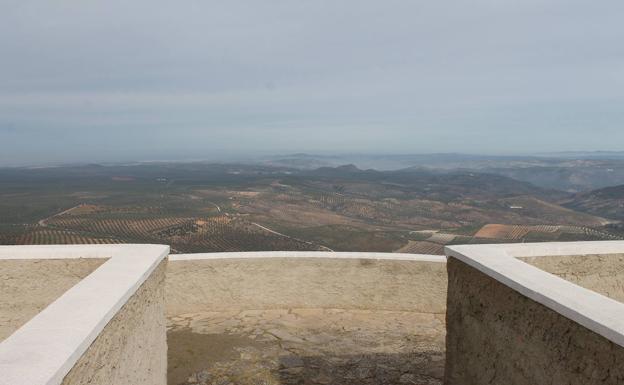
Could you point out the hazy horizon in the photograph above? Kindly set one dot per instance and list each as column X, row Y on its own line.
column 118, row 81
column 379, row 161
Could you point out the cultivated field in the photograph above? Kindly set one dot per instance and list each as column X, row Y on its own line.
column 210, row 208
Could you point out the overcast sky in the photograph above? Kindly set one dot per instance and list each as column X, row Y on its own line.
column 86, row 80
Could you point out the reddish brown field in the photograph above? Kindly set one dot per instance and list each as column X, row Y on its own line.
column 494, row 231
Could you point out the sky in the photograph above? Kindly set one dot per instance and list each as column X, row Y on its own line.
column 102, row 81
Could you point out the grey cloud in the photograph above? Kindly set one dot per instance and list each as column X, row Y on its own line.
column 239, row 76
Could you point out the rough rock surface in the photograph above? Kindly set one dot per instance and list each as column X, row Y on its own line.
column 495, row 335
column 131, row 350
column 28, row 286
column 306, row 346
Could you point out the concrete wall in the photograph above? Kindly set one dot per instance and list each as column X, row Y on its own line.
column 269, row 283
column 495, row 335
column 603, row 274
column 28, row 286
column 132, row 348
column 99, row 314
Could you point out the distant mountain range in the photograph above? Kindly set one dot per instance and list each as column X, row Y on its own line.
column 572, row 171
column 585, row 154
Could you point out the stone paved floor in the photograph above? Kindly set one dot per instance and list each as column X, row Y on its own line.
column 306, row 346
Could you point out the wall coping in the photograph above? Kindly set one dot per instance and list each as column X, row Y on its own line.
column 309, row 254
column 45, row 349
column 594, row 311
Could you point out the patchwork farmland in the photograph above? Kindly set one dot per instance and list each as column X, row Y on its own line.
column 211, row 208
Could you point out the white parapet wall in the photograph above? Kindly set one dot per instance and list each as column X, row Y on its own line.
column 273, row 280
column 519, row 313
column 510, row 321
column 108, row 327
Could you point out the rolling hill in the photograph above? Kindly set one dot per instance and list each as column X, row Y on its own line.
column 606, row 202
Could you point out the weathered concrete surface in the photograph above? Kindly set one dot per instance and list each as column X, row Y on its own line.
column 306, row 320
column 497, row 336
column 132, row 348
column 603, row 274
column 306, row 346
column 279, row 283
column 28, row 286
